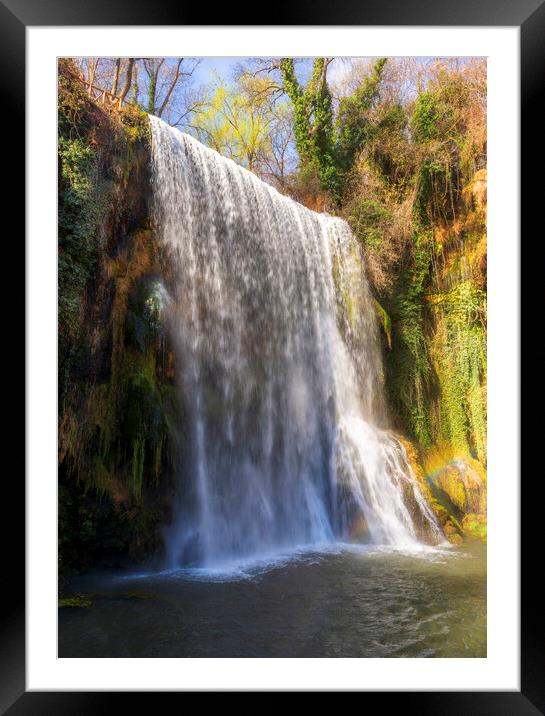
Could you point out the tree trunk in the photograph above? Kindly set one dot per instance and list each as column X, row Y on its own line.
column 135, row 86
column 171, row 88
column 116, row 75
column 152, row 91
column 92, row 71
column 128, row 80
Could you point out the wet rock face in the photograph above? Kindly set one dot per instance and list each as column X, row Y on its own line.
column 117, row 396
column 456, row 492
column 460, row 486
column 449, row 525
column 474, row 527
column 463, row 485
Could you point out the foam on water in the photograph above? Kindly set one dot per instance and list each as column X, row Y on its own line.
column 253, row 568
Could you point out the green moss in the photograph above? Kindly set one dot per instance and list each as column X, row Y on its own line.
column 136, row 124
column 82, row 202
column 443, row 509
column 137, row 466
column 80, row 601
column 459, row 355
column 124, row 423
column 142, row 424
column 455, row 489
column 430, row 116
column 436, row 372
column 116, row 453
column 100, row 477
column 123, row 430
column 366, row 218
column 385, row 322
column 475, row 527
column 408, row 366
column 94, row 149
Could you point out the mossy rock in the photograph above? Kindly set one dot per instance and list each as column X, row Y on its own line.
column 79, row 601
column 116, row 455
column 464, row 484
column 452, row 532
column 475, row 527
column 449, row 524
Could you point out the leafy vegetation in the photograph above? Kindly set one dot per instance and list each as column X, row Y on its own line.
column 422, row 226
column 410, row 180
column 396, row 147
column 327, row 145
column 115, row 394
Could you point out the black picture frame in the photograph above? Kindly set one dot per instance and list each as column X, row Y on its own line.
column 529, row 15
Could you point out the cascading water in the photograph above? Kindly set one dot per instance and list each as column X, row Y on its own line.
column 283, row 438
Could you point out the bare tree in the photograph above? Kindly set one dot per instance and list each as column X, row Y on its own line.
column 92, row 67
column 162, row 86
column 128, row 79
column 167, row 78
column 152, row 67
column 174, row 82
column 116, row 75
column 135, row 89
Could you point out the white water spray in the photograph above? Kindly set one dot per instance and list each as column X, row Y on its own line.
column 283, row 432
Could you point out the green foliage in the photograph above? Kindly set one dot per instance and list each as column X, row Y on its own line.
column 239, row 121
column 81, row 208
column 353, row 123
column 387, row 147
column 321, row 136
column 385, row 322
column 429, row 117
column 367, row 217
column 329, row 144
column 118, row 447
column 91, row 149
column 152, row 92
column 140, row 412
column 123, row 430
column 437, row 370
column 135, row 125
column 459, row 354
column 409, row 208
column 301, row 115
column 313, row 123
column 408, row 366
column 475, row 527
column 116, row 406
column 451, row 147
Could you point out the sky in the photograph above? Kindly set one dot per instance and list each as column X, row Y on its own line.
column 225, row 67
column 210, row 65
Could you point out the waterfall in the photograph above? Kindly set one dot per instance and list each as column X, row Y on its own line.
column 283, row 432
